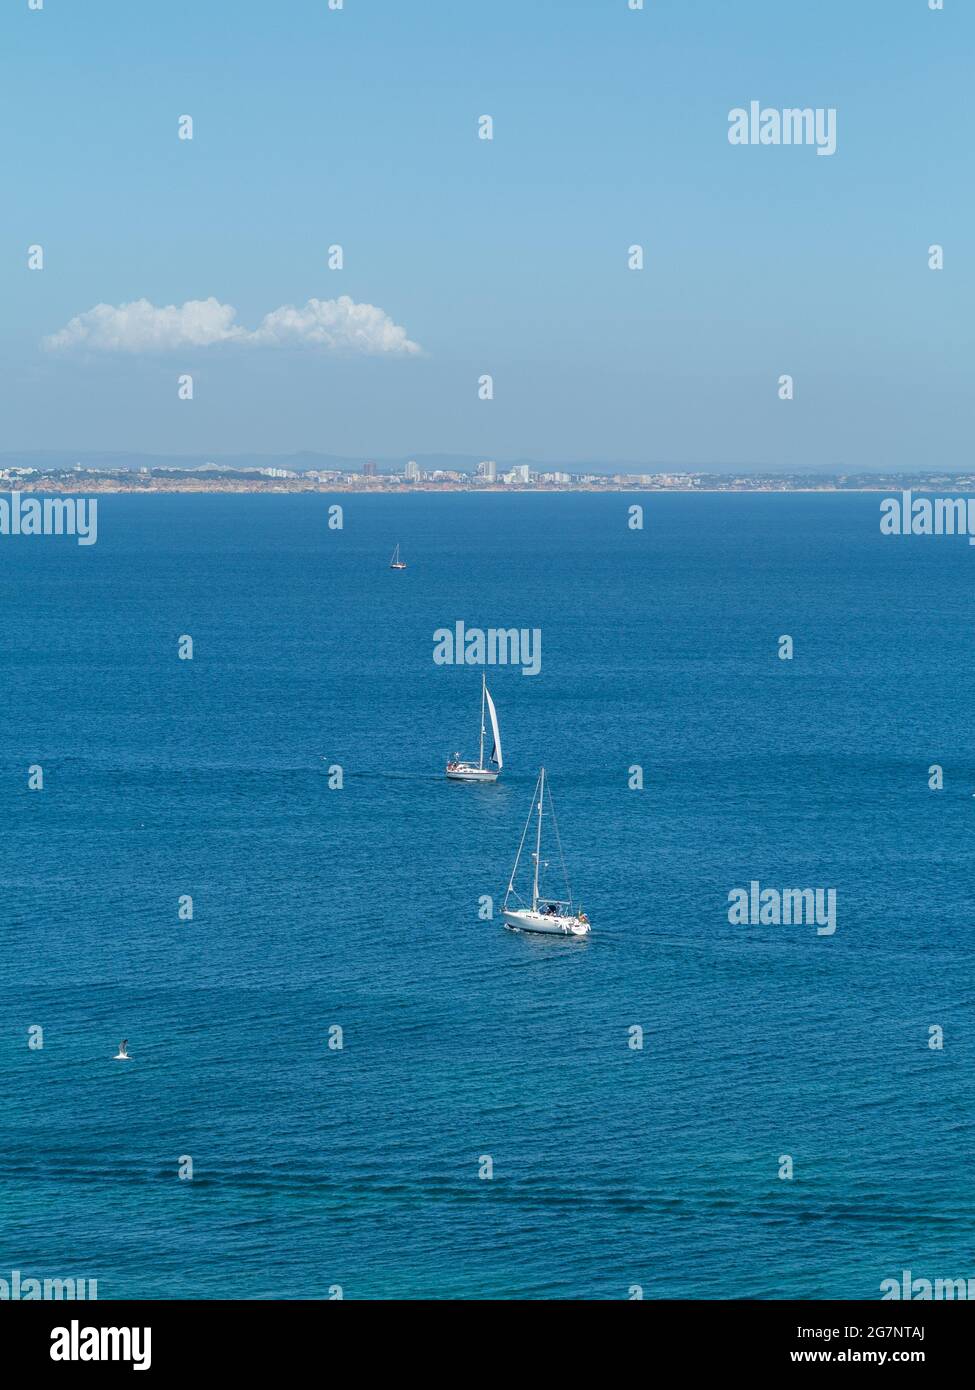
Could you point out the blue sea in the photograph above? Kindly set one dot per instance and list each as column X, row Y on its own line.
column 317, row 1168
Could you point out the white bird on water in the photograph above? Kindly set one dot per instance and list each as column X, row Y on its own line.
column 122, row 1055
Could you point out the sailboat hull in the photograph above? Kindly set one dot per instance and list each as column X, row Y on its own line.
column 545, row 923
column 471, row 774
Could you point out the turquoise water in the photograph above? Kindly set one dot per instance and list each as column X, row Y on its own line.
column 316, row 1167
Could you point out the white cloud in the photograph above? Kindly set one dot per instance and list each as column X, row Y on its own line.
column 338, row 325
column 141, row 327
column 335, row 323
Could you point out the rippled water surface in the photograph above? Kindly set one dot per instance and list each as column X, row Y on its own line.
column 613, row 1167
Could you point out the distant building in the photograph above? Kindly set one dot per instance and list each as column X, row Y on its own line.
column 412, row 471
column 488, row 470
column 369, row 470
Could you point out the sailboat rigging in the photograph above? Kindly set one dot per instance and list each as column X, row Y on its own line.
column 460, row 769
column 396, row 563
column 553, row 916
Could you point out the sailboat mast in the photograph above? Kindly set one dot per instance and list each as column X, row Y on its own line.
column 538, row 837
column 480, row 761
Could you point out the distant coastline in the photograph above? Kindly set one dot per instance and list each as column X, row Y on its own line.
column 107, row 481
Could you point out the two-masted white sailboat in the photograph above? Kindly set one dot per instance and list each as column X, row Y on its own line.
column 396, row 563
column 458, row 769
column 554, row 916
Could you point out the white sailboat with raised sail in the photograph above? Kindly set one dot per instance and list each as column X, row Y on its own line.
column 396, row 563
column 553, row 916
column 459, row 769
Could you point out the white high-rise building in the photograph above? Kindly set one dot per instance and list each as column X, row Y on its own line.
column 412, row 471
column 488, row 470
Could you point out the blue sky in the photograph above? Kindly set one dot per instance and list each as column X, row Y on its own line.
column 358, row 127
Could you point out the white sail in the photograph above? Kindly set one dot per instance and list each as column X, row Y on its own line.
column 496, row 750
column 460, row 769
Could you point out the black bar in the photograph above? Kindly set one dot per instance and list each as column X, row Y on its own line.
column 732, row 1337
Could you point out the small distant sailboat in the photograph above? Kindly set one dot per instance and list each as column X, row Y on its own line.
column 553, row 916
column 123, row 1054
column 459, row 769
column 396, row 563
